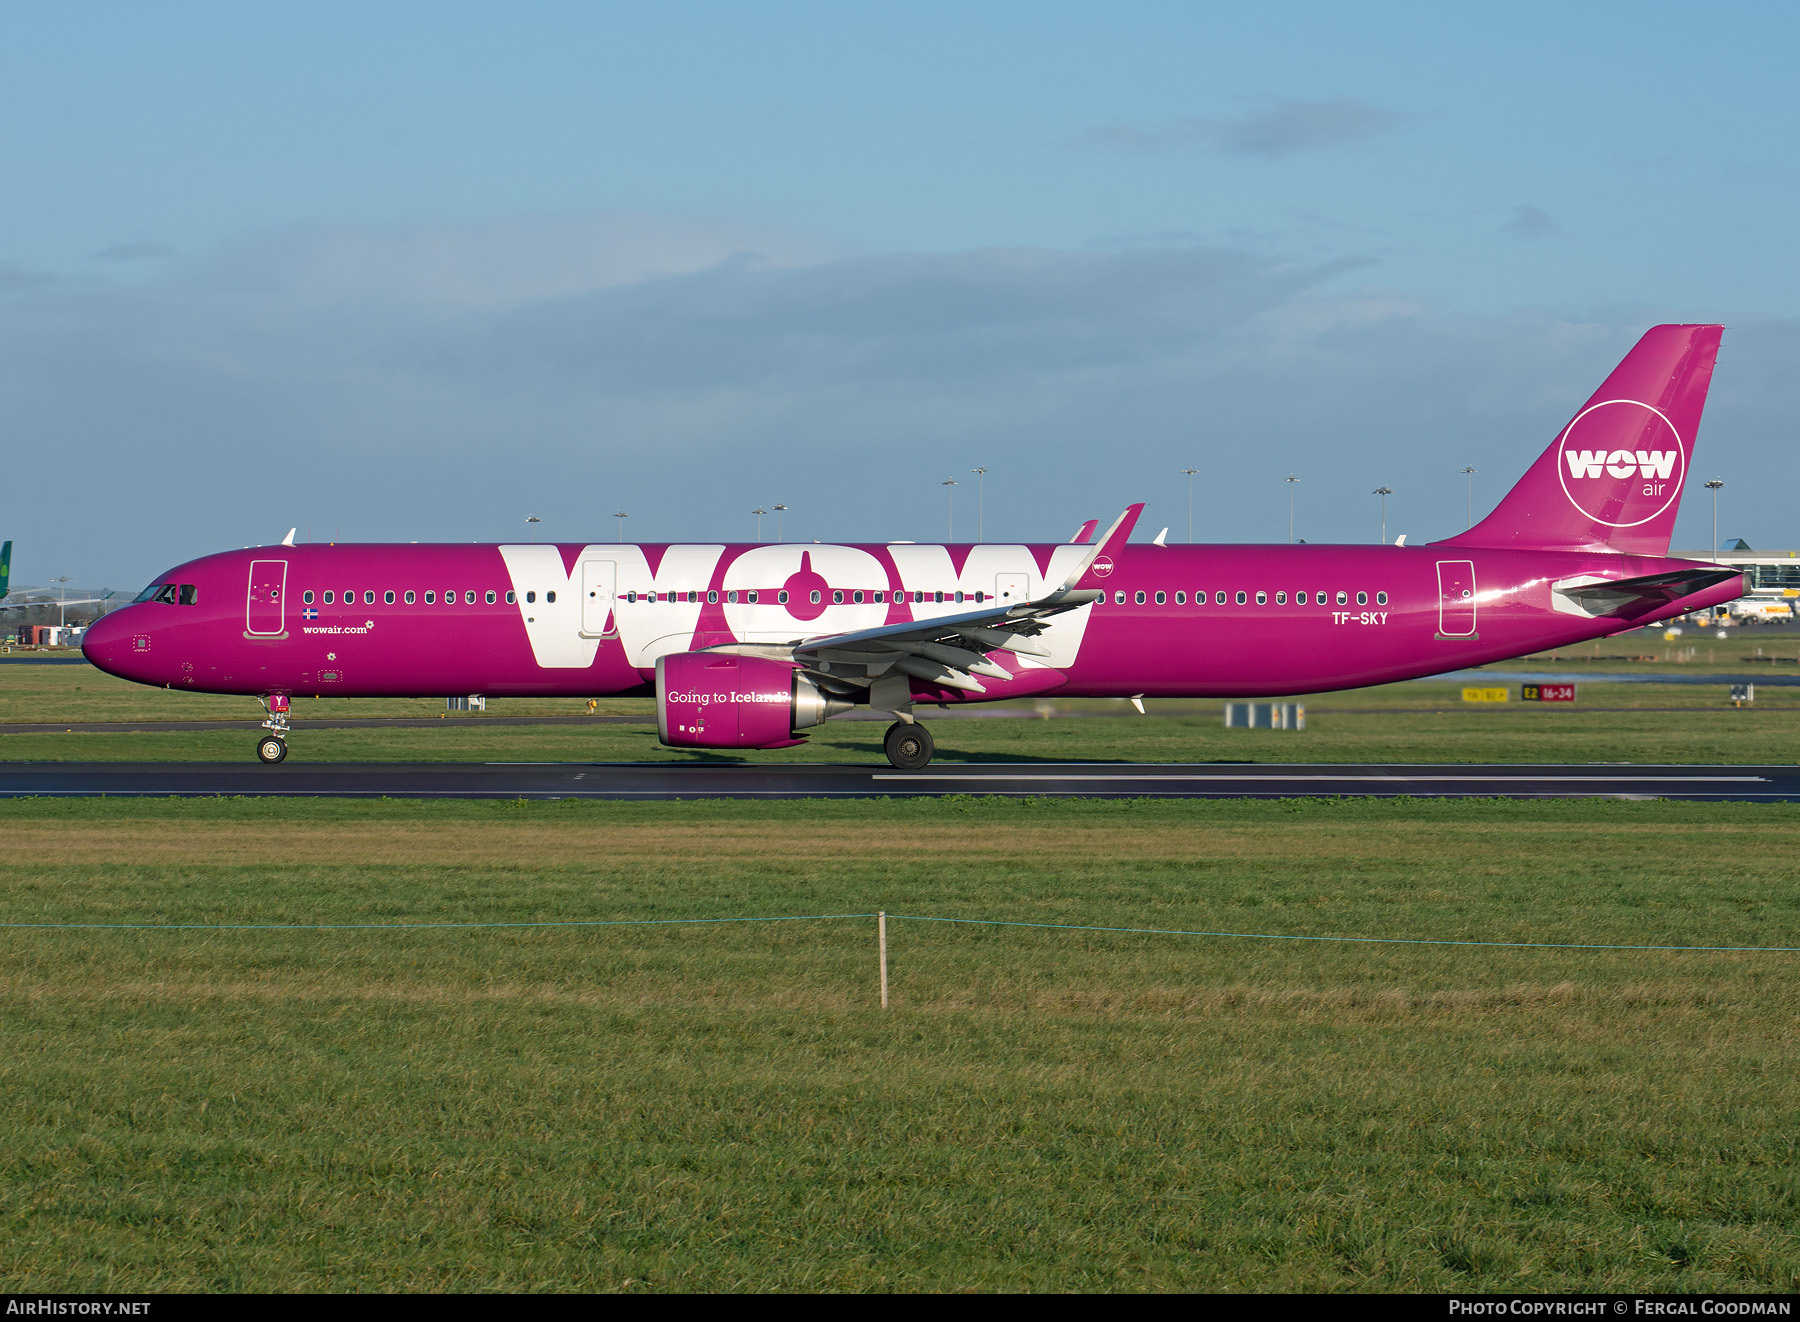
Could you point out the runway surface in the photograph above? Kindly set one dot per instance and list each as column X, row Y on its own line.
column 707, row 779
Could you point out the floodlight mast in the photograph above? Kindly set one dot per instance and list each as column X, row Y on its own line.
column 1384, row 491
column 759, row 511
column 779, row 511
column 1190, row 477
column 1470, row 474
column 1290, row 479
column 980, row 503
column 621, row 516
column 1713, row 486
column 948, row 491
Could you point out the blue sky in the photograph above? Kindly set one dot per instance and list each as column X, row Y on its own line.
column 416, row 271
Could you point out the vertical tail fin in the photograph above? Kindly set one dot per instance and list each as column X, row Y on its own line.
column 1612, row 479
column 5, row 567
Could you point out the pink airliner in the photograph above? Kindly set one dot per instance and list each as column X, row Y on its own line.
column 747, row 646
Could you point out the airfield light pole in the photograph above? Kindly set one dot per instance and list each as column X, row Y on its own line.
column 1190, row 477
column 1290, row 479
column 1384, row 491
column 621, row 516
column 1713, row 486
column 779, row 511
column 530, row 521
column 759, row 511
column 62, row 592
column 949, row 491
column 980, row 503
column 1470, row 474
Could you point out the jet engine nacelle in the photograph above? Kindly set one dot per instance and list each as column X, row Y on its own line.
column 718, row 700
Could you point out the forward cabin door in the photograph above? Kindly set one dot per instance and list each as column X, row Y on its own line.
column 1456, row 598
column 598, row 580
column 1012, row 589
column 264, row 608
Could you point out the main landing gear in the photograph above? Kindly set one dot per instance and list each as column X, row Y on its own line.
column 909, row 747
column 272, row 747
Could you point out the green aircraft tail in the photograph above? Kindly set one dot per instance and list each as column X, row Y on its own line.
column 5, row 568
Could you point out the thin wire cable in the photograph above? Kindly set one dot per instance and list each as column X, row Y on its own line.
column 912, row 917
column 422, row 927
column 1359, row 940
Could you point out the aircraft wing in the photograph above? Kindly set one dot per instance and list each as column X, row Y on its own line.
column 49, row 601
column 952, row 650
column 1627, row 597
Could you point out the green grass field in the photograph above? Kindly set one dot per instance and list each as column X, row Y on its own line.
column 1422, row 721
column 725, row 1107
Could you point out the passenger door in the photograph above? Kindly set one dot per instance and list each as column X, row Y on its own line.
column 599, row 578
column 264, row 608
column 1456, row 598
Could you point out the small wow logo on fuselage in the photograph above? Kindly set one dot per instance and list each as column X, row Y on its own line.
column 1621, row 463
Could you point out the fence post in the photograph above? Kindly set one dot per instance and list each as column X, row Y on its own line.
column 881, row 944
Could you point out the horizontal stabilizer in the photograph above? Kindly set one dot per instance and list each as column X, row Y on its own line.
column 1627, row 598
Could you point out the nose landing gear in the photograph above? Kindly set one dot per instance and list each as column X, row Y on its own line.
column 909, row 746
column 272, row 747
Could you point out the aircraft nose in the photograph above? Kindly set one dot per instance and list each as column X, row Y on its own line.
column 108, row 644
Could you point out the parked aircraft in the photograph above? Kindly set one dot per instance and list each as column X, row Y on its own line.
column 748, row 646
column 42, row 599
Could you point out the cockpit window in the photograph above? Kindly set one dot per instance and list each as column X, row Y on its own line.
column 190, row 595
column 157, row 592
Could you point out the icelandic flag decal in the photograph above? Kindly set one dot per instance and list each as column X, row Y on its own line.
column 310, row 613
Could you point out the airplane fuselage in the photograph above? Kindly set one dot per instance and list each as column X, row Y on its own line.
column 591, row 620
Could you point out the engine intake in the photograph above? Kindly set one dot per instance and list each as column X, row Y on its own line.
column 718, row 700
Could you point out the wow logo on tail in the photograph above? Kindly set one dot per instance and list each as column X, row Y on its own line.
column 1612, row 478
column 1635, row 468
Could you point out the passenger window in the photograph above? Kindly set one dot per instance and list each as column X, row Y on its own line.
column 368, row 596
column 815, row 597
column 411, row 596
column 1162, row 599
column 959, row 597
column 1181, row 598
column 328, row 599
column 530, row 597
column 1300, row 599
column 550, row 597
column 631, row 598
column 1242, row 598
column 731, row 596
column 1119, row 598
column 469, row 597
column 1343, row 598
column 1262, row 599
column 713, row 597
column 877, row 596
column 190, row 594
column 306, row 597
column 837, row 598
column 1381, row 598
column 1281, row 598
column 490, row 596
column 512, row 598
column 857, row 598
column 752, row 595
column 1362, row 599
column 387, row 597
column 1219, row 597
column 781, row 597
column 979, row 598
column 1140, row 598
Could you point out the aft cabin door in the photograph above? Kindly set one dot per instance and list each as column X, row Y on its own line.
column 1012, row 589
column 1456, row 598
column 598, row 580
column 263, row 610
